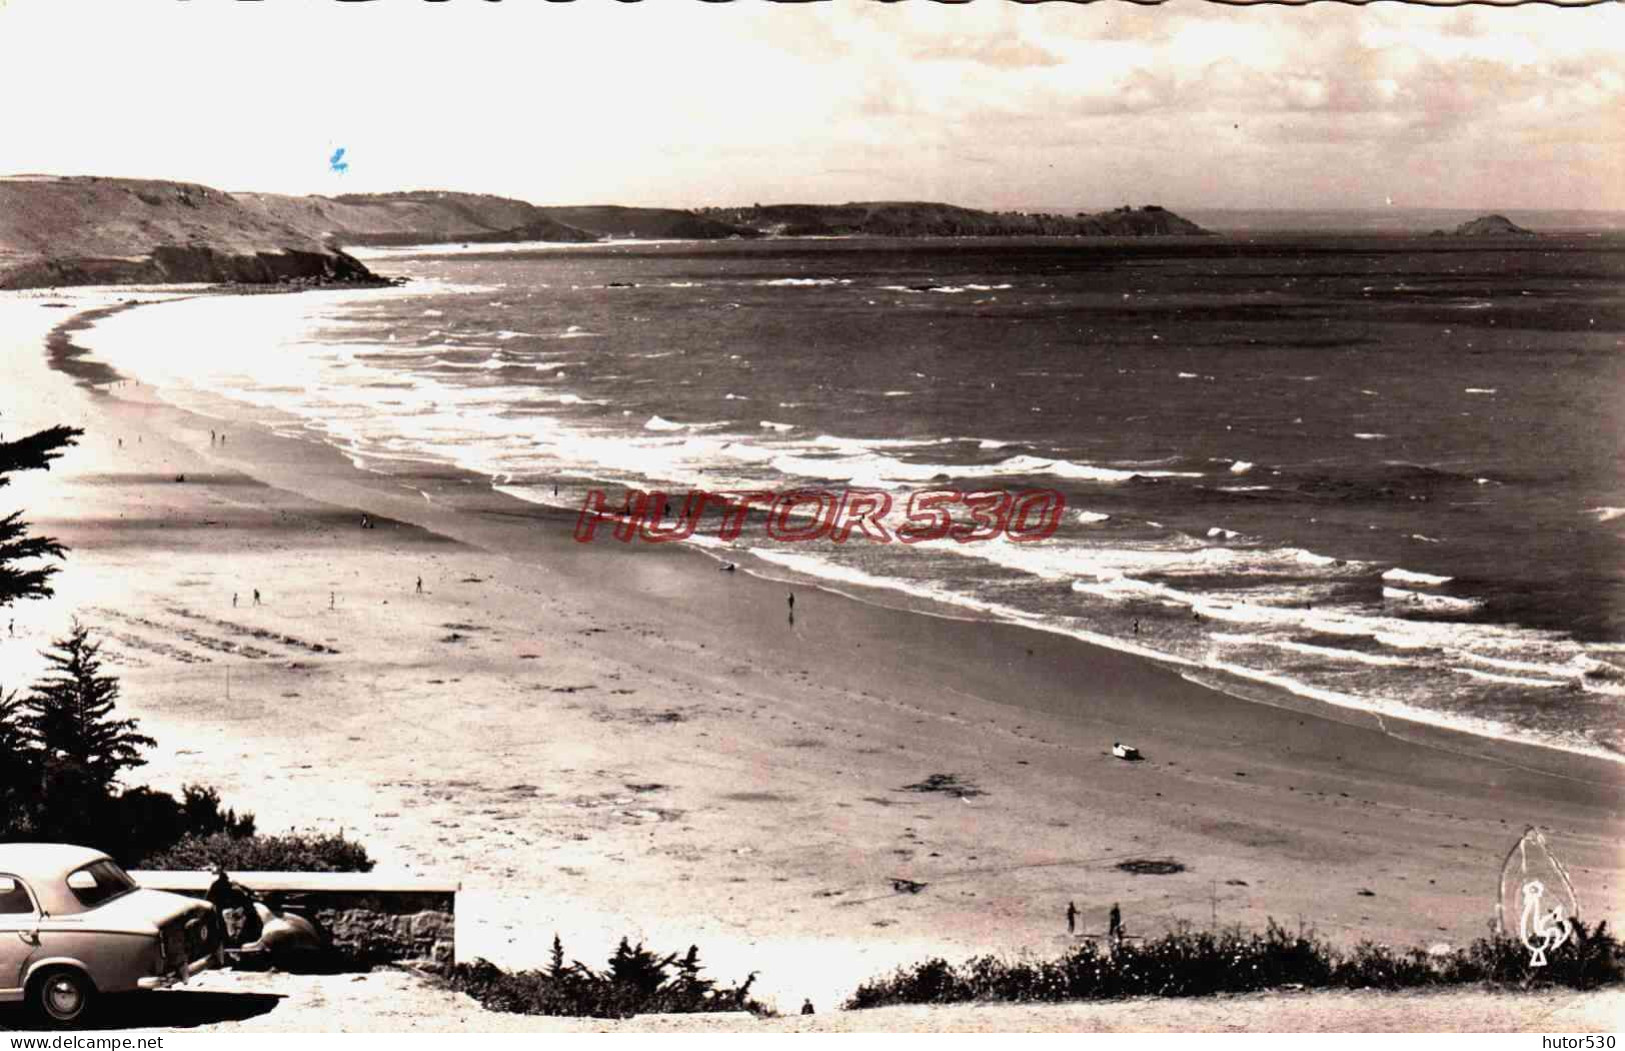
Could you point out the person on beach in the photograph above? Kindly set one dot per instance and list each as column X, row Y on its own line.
column 807, row 1007
column 235, row 907
column 792, row 602
column 1071, row 917
column 234, row 600
column 1114, row 923
column 420, row 585
column 211, row 435
column 256, row 596
column 11, row 627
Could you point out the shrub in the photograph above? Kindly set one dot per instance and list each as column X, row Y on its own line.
column 638, row 981
column 1203, row 963
column 294, row 852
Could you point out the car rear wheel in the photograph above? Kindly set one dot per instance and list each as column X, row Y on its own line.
column 62, row 996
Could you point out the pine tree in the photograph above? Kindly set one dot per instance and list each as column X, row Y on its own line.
column 14, row 743
column 69, row 713
column 33, row 453
column 19, row 777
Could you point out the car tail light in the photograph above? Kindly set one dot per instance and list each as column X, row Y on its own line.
column 174, row 946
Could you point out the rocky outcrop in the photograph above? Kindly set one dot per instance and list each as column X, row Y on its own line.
column 1492, row 226
column 88, row 230
column 415, row 217
column 931, row 219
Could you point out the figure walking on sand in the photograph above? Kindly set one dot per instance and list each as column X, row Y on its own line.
column 256, row 596
column 234, row 600
column 1114, row 923
column 420, row 585
column 1071, row 917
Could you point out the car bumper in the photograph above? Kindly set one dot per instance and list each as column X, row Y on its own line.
column 164, row 981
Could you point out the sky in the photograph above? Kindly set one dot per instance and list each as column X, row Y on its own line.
column 989, row 104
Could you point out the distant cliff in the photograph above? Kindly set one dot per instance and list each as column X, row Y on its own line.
column 87, row 230
column 1492, row 226
column 415, row 217
column 929, row 219
column 613, row 220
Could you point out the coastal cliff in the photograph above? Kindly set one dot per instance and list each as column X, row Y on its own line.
column 415, row 217
column 873, row 219
column 931, row 219
column 79, row 230
column 82, row 230
column 612, row 220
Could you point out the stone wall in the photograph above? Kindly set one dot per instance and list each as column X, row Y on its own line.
column 371, row 928
column 366, row 919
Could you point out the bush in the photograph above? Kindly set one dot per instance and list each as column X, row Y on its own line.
column 67, row 805
column 294, row 852
column 637, row 982
column 1203, row 963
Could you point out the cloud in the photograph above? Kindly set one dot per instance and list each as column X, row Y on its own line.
column 998, row 54
column 1003, row 104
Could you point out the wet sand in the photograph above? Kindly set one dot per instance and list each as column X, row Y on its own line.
column 603, row 740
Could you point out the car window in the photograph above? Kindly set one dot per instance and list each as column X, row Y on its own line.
column 14, row 900
column 98, row 882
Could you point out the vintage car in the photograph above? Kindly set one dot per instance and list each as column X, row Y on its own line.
column 74, row 925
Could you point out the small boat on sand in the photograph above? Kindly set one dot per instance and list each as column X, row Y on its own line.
column 1128, row 752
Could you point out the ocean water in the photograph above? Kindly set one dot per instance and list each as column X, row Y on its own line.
column 1380, row 472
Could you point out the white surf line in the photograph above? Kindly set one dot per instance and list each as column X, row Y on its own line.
column 1432, row 745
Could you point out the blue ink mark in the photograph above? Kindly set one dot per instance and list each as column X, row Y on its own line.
column 337, row 162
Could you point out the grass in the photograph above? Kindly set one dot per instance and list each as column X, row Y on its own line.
column 1204, row 963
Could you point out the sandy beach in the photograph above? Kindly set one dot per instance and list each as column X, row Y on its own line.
column 601, row 740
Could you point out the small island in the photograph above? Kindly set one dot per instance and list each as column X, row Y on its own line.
column 1492, row 226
